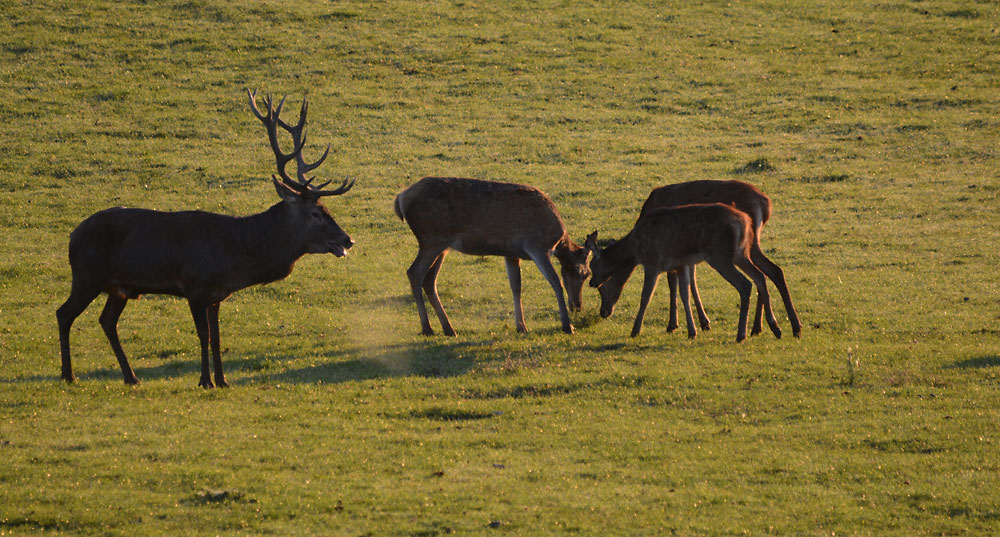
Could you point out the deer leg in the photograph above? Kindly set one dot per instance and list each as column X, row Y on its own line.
column 777, row 276
column 650, row 277
column 213, row 339
column 758, row 315
column 417, row 272
column 199, row 310
column 514, row 277
column 763, row 297
column 743, row 286
column 78, row 301
column 684, row 277
column 672, row 283
column 109, row 322
column 706, row 325
column 430, row 287
column 543, row 263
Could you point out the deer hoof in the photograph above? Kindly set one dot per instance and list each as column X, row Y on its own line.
column 206, row 383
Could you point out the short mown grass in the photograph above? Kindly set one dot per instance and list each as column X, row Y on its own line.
column 873, row 127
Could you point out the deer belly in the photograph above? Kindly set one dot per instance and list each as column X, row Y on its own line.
column 136, row 291
column 474, row 247
column 674, row 262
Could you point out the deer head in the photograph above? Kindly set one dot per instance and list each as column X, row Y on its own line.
column 313, row 223
column 573, row 267
column 610, row 268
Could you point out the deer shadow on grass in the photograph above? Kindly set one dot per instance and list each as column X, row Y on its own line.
column 978, row 362
column 418, row 359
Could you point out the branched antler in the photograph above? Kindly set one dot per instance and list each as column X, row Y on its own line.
column 271, row 122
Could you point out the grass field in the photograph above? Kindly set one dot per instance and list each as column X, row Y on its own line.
column 873, row 126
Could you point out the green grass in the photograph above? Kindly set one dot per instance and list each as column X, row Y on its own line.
column 873, row 127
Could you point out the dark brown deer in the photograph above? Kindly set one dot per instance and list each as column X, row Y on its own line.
column 488, row 218
column 674, row 239
column 744, row 197
column 201, row 256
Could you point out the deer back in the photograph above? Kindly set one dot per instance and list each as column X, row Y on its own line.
column 480, row 217
column 743, row 196
column 670, row 238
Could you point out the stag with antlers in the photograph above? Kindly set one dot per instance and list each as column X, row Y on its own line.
column 201, row 256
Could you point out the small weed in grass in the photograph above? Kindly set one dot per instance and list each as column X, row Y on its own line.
column 853, row 367
column 759, row 165
column 206, row 497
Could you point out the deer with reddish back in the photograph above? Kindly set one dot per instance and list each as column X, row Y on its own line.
column 201, row 256
column 744, row 197
column 488, row 218
column 672, row 239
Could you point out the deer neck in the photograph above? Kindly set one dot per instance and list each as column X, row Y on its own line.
column 270, row 240
column 566, row 251
column 622, row 254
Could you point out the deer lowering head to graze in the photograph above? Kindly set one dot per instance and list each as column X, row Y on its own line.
column 675, row 239
column 488, row 218
column 745, row 198
column 201, row 256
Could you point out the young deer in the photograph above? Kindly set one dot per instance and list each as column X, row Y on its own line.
column 673, row 239
column 488, row 218
column 201, row 256
column 745, row 198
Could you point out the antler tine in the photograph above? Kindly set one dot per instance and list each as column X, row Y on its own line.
column 253, row 104
column 302, row 117
column 344, row 187
column 306, row 168
column 277, row 111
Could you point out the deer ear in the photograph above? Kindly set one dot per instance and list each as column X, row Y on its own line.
column 591, row 244
column 285, row 192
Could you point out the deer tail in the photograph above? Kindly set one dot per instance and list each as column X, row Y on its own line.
column 397, row 206
column 744, row 233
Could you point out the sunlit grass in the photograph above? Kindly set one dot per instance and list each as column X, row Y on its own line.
column 872, row 127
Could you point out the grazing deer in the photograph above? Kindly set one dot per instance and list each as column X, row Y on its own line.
column 201, row 256
column 488, row 218
column 674, row 239
column 745, row 198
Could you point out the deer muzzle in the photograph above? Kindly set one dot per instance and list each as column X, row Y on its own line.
column 340, row 247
